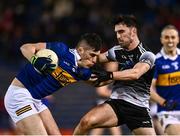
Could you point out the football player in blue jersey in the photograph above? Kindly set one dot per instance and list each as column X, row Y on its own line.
column 165, row 87
column 23, row 98
column 129, row 101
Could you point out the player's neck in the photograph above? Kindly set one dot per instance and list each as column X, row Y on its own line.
column 171, row 53
column 134, row 43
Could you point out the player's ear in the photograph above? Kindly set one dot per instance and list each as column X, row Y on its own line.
column 178, row 39
column 161, row 39
column 134, row 30
column 80, row 50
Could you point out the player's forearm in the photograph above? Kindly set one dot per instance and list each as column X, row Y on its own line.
column 156, row 98
column 28, row 51
column 130, row 74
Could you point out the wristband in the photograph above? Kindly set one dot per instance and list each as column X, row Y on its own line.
column 33, row 59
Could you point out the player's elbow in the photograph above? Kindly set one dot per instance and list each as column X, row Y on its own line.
column 26, row 48
column 23, row 47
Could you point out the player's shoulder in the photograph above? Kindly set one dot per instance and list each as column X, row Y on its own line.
column 116, row 47
column 58, row 47
column 149, row 53
column 143, row 48
column 159, row 58
column 159, row 55
column 178, row 51
column 112, row 52
column 56, row 44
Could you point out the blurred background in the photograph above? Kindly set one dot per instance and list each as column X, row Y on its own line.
column 23, row 21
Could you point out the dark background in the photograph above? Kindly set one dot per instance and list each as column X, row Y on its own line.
column 29, row 21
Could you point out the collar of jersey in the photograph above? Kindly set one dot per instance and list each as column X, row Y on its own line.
column 77, row 56
column 170, row 57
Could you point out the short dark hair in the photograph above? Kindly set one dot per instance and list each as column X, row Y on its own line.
column 93, row 39
column 128, row 20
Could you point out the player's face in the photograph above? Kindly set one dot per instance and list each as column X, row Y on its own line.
column 87, row 54
column 123, row 34
column 89, row 57
column 169, row 39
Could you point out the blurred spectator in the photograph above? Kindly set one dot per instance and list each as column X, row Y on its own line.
column 31, row 21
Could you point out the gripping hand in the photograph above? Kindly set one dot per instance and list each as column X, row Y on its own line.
column 101, row 76
column 42, row 64
column 170, row 104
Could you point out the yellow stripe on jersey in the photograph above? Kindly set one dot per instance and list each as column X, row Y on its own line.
column 169, row 79
column 63, row 76
column 23, row 110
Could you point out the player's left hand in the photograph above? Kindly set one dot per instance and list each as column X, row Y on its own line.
column 101, row 75
column 170, row 104
column 43, row 64
column 49, row 69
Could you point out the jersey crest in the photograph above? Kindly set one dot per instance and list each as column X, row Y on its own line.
column 63, row 77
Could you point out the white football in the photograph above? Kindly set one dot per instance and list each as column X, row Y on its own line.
column 48, row 53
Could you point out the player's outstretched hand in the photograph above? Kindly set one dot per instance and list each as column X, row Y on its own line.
column 170, row 104
column 43, row 64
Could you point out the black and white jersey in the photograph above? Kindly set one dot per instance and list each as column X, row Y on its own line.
column 133, row 91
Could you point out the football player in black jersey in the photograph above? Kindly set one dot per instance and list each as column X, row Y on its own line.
column 129, row 101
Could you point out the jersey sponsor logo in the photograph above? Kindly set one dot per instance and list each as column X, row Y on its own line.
column 131, row 57
column 123, row 56
column 146, row 122
column 23, row 110
column 128, row 64
column 166, row 67
column 66, row 63
column 175, row 64
column 73, row 69
column 63, row 76
column 169, row 79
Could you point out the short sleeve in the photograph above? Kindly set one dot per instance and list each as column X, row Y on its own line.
column 110, row 54
column 58, row 47
column 148, row 57
column 156, row 70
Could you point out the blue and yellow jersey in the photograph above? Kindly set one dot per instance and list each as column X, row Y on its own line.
column 66, row 73
column 167, row 73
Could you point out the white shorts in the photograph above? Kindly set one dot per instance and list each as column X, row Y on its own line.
column 153, row 109
column 168, row 117
column 20, row 104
